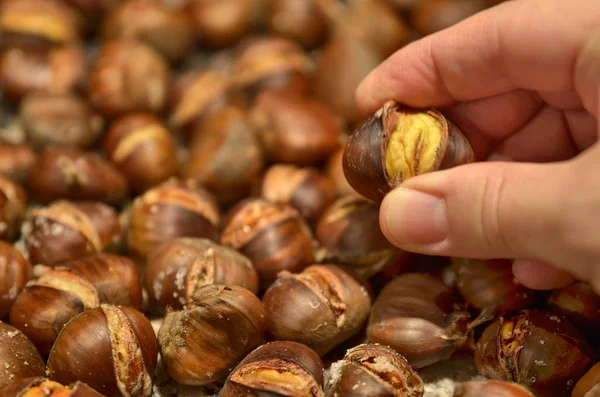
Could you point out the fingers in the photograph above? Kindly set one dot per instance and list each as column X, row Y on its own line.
column 539, row 275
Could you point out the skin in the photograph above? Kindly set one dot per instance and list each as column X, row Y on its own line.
column 522, row 80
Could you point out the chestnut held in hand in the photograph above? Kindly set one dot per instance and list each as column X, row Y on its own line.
column 111, row 348
column 13, row 204
column 42, row 387
column 373, row 370
column 321, row 307
column 15, row 272
column 277, row 369
column 539, row 350
column 399, row 142
column 491, row 388
column 177, row 268
column 18, row 356
column 416, row 315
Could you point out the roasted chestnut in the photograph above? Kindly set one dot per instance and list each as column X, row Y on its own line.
column 416, row 315
column 335, row 172
column 16, row 161
column 15, row 272
column 142, row 148
column 492, row 388
column 277, row 369
column 539, row 350
column 589, row 384
column 176, row 269
column 39, row 386
column 273, row 236
column 430, row 16
column 218, row 327
column 13, row 203
column 399, row 142
column 18, row 356
column 123, row 346
column 300, row 20
column 321, row 307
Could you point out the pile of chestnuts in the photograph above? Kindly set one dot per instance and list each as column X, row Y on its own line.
column 189, row 206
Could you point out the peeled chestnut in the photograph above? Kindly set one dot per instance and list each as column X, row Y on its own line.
column 399, row 142
column 218, row 327
column 45, row 305
column 277, row 369
column 373, row 370
column 168, row 31
column 38, row 386
column 56, row 70
column 430, row 16
column 111, row 348
column 60, row 120
column 589, row 384
column 176, row 208
column 225, row 154
column 306, row 189
column 68, row 173
column 176, row 269
column 490, row 285
column 13, row 203
column 539, row 350
column 128, row 76
column 492, row 388
column 16, row 161
column 69, row 230
column 416, row 315
column 349, row 234
column 142, row 148
column 18, row 356
column 300, row 20
column 15, row 272
column 321, row 307
column 295, row 128
column 273, row 236
column 116, row 278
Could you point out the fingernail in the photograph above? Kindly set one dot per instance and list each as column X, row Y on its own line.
column 412, row 217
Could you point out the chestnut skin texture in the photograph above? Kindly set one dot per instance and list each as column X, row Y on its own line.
column 16, row 161
column 13, row 204
column 18, row 355
column 300, row 20
column 15, row 272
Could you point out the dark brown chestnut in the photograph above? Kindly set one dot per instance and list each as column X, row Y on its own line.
column 59, row 120
column 18, row 356
column 373, row 370
column 15, row 272
column 539, row 350
column 16, row 161
column 491, row 286
column 300, row 20
column 42, row 387
column 349, row 234
column 142, row 148
column 295, row 128
column 13, row 203
column 123, row 346
column 68, row 173
column 176, row 208
column 225, row 154
column 273, row 236
column 69, row 230
column 399, row 142
column 589, row 384
column 168, row 31
column 335, row 171
column 491, row 388
column 430, row 16
column 45, row 305
column 416, row 315
column 176, row 269
column 277, row 369
column 218, row 327
column 128, row 76
column 321, row 307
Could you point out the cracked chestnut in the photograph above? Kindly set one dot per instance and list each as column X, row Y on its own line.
column 18, row 356
column 43, row 387
column 13, row 204
column 16, row 161
column 493, row 388
column 15, row 272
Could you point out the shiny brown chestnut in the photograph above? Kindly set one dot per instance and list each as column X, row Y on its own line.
column 306, row 189
column 59, row 120
column 69, row 230
column 177, row 268
column 13, row 204
column 430, row 16
column 42, row 387
column 321, row 307
column 225, row 154
column 15, row 272
column 335, row 171
column 168, row 31
column 491, row 388
column 68, row 173
column 416, row 315
column 491, row 286
column 278, row 369
column 128, row 76
column 589, row 384
column 539, row 350
column 175, row 208
column 123, row 346
column 294, row 128
column 18, row 356
column 300, row 20
column 218, row 327
column 142, row 148
column 399, row 142
column 273, row 236
column 349, row 234
column 46, row 304
column 373, row 370
column 56, row 70
column 16, row 161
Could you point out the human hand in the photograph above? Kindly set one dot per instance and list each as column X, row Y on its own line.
column 522, row 80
